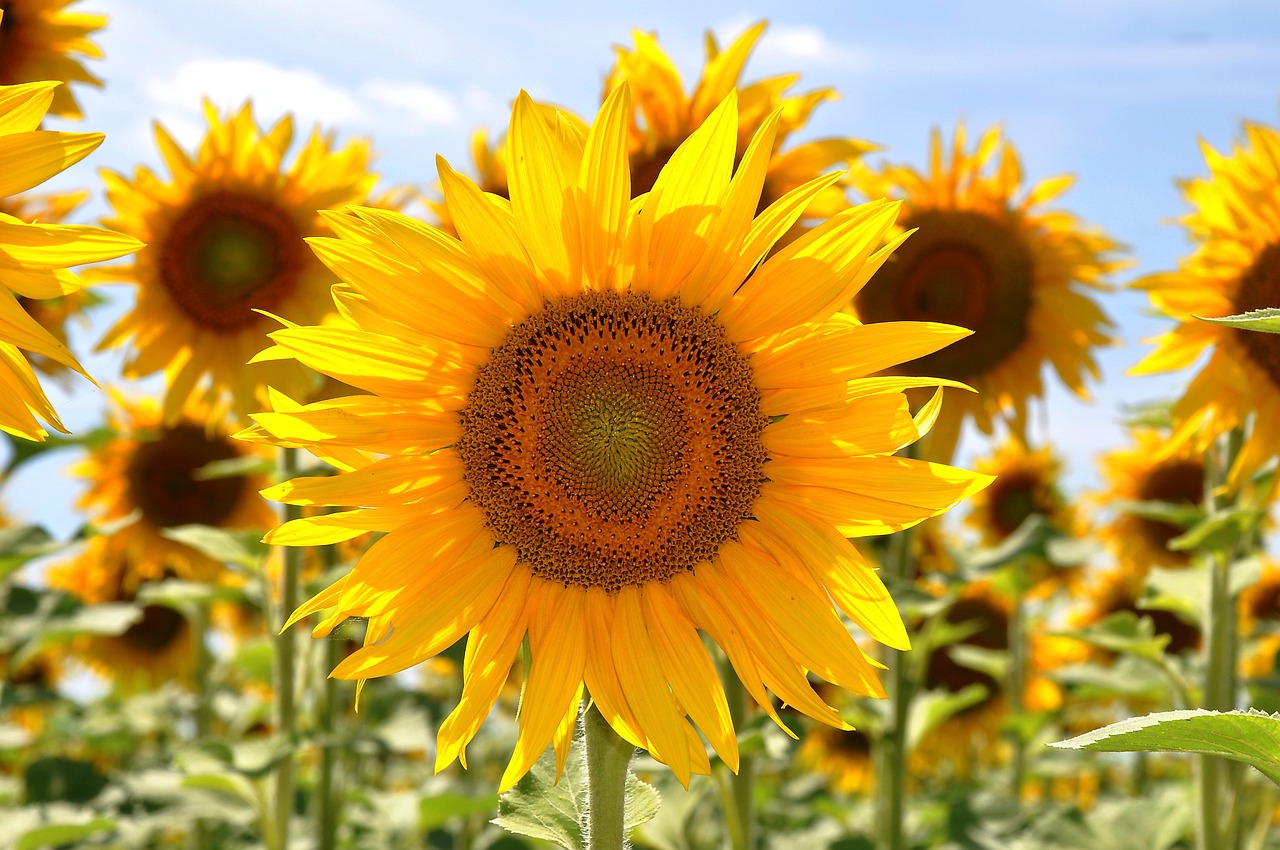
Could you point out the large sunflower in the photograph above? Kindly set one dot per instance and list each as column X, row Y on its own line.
column 225, row 239
column 1235, row 267
column 667, row 115
column 41, row 40
column 1153, row 469
column 607, row 425
column 146, row 479
column 1004, row 266
column 34, row 257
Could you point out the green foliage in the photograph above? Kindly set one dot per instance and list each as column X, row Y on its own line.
column 241, row 548
column 1252, row 737
column 1266, row 320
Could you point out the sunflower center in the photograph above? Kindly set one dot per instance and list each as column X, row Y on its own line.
column 1260, row 288
column 646, row 166
column 961, row 268
column 1266, row 605
column 948, row 674
column 614, row 440
column 853, row 742
column 227, row 254
column 1177, row 482
column 156, row 631
column 162, row 478
column 1016, row 496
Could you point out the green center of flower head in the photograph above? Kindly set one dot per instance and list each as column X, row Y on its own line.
column 1259, row 289
column 961, row 268
column 228, row 253
column 614, row 440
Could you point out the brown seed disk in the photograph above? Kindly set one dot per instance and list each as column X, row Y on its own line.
column 946, row 673
column 162, row 479
column 1179, row 481
column 1013, row 498
column 156, row 631
column 961, row 268
column 614, row 440
column 227, row 254
column 1259, row 289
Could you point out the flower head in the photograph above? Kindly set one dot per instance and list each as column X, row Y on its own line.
column 607, row 425
column 40, row 40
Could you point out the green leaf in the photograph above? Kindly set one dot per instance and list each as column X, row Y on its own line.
column 1029, row 539
column 1252, row 737
column 1266, row 320
column 55, row 778
column 539, row 807
column 231, row 784
column 1181, row 514
column 1124, row 632
column 21, row 544
column 931, row 709
column 1219, row 533
column 235, row 467
column 179, row 594
column 438, row 809
column 63, row 834
column 242, row 548
column 642, row 805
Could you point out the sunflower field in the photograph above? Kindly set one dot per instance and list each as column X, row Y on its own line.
column 682, row 460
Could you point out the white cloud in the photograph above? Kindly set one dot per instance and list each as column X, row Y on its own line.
column 798, row 44
column 416, row 103
column 274, row 90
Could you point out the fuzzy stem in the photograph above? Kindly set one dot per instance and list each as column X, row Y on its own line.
column 608, row 760
column 891, row 783
column 737, row 792
column 286, row 706
column 1016, row 684
column 326, row 796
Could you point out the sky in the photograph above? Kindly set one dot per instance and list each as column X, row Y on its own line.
column 1119, row 93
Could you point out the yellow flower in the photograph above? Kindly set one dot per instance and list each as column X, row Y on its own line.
column 1234, row 268
column 844, row 756
column 607, row 425
column 225, row 238
column 1259, row 603
column 34, row 257
column 1007, row 268
column 1153, row 469
column 158, row 647
column 40, row 40
column 491, row 176
column 667, row 115
column 144, row 480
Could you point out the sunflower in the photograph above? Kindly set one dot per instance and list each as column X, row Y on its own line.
column 844, row 756
column 51, row 313
column 40, row 40
column 607, row 425
column 1234, row 268
column 490, row 160
column 34, row 257
column 1014, row 272
column 1152, row 469
column 666, row 115
column 225, row 239
column 158, row 647
column 1027, row 483
column 1259, row 603
column 146, row 479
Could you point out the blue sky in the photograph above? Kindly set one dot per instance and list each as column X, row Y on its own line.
column 1118, row 93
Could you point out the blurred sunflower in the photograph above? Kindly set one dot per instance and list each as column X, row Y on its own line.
column 225, row 238
column 1153, row 469
column 158, row 647
column 1234, row 268
column 34, row 257
column 1009, row 269
column 573, row 411
column 667, row 115
column 41, row 40
column 1027, row 483
column 971, row 736
column 844, row 756
column 1259, row 603
column 1117, row 591
column 147, row 478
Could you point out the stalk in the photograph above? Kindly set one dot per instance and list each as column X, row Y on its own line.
column 286, row 706
column 891, row 785
column 737, row 792
column 199, row 838
column 1017, row 677
column 327, row 802
column 608, row 760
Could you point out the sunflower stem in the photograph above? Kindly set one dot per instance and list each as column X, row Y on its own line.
column 891, row 783
column 608, row 761
column 1017, row 678
column 737, row 791
column 326, row 799
column 286, row 707
column 204, row 708
column 1219, row 684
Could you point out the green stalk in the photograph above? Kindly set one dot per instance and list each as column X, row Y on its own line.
column 891, row 783
column 199, row 838
column 286, row 705
column 737, row 792
column 1017, row 676
column 608, row 760
column 327, row 802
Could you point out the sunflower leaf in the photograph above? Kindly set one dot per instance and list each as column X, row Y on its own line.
column 242, row 548
column 1250, row 736
column 1182, row 514
column 63, row 834
column 20, row 544
column 1219, row 533
column 1123, row 632
column 540, row 807
column 1266, row 320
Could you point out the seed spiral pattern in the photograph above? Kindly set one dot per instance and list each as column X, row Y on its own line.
column 614, row 440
